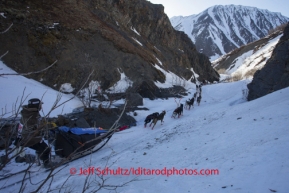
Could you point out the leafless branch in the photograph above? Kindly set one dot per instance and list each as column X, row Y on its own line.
column 100, row 181
column 6, row 30
column 51, row 176
column 12, row 132
column 3, row 55
column 116, row 122
column 29, row 73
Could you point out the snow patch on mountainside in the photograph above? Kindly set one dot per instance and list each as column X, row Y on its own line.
column 245, row 61
column 255, row 60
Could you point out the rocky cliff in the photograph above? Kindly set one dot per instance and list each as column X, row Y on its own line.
column 275, row 74
column 111, row 37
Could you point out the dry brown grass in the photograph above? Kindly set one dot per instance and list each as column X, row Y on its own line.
column 236, row 77
column 250, row 73
column 222, row 71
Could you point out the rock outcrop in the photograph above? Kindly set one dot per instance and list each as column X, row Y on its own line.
column 275, row 74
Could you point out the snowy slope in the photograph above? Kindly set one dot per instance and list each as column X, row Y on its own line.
column 245, row 61
column 220, row 29
column 13, row 89
column 246, row 142
column 253, row 59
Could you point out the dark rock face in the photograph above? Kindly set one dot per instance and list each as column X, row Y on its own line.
column 134, row 99
column 108, row 37
column 275, row 74
column 151, row 91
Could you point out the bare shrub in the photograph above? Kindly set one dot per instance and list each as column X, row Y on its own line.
column 51, row 176
column 11, row 151
column 278, row 28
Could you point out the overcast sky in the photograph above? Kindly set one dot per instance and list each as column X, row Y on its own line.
column 190, row 7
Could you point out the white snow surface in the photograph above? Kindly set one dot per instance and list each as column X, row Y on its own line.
column 66, row 87
column 245, row 142
column 133, row 29
column 137, row 41
column 122, row 84
column 14, row 87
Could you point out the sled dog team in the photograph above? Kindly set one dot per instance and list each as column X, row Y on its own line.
column 155, row 117
column 30, row 126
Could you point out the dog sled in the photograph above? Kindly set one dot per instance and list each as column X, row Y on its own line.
column 69, row 144
column 73, row 143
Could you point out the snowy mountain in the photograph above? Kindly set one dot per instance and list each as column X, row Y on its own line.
column 224, row 145
column 220, row 29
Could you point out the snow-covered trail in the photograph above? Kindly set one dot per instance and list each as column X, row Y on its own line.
column 247, row 142
column 224, row 132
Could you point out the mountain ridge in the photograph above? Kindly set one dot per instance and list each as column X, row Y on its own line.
column 220, row 29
